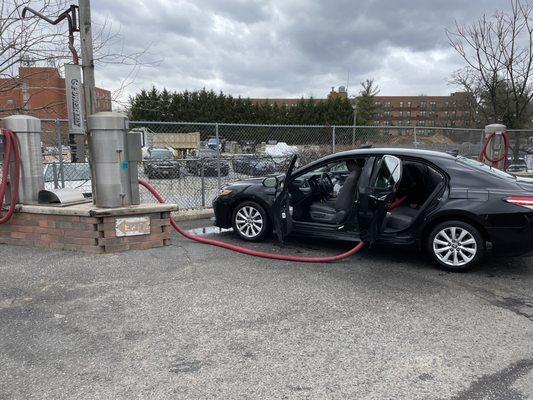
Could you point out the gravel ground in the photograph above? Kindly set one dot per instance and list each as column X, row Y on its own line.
column 190, row 321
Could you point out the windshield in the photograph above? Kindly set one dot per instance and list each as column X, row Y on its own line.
column 161, row 154
column 484, row 167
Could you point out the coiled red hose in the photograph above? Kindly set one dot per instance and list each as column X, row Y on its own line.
column 484, row 156
column 11, row 153
column 251, row 252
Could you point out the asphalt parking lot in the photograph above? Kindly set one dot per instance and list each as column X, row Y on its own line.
column 197, row 322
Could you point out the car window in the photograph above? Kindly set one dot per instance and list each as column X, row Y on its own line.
column 161, row 154
column 337, row 166
column 389, row 173
column 207, row 153
column 72, row 172
column 478, row 165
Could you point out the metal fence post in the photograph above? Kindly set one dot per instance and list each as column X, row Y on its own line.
column 60, row 148
column 415, row 142
column 219, row 149
column 333, row 139
column 202, row 183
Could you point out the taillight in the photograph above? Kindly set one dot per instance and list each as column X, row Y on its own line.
column 521, row 201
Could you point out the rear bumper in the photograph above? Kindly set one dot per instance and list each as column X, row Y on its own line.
column 512, row 241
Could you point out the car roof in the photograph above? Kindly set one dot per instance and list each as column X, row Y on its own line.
column 395, row 151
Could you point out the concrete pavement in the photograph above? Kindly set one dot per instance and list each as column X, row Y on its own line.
column 190, row 321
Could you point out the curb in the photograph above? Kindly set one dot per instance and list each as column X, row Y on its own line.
column 191, row 215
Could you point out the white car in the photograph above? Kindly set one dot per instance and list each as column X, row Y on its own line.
column 75, row 175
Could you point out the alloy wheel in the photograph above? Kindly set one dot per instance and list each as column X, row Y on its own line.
column 249, row 221
column 454, row 246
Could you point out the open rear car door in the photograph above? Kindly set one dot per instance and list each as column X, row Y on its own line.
column 281, row 207
column 376, row 196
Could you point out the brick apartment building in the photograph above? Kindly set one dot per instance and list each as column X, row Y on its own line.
column 40, row 92
column 442, row 111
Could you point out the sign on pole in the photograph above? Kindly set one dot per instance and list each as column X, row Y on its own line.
column 73, row 85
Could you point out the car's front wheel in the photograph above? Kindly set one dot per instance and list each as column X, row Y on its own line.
column 250, row 221
column 455, row 245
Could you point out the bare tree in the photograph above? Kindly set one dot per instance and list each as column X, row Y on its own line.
column 498, row 52
column 32, row 41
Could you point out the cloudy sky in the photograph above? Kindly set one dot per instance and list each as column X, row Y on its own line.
column 289, row 48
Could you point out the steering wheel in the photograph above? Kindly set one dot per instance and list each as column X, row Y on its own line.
column 321, row 186
column 326, row 184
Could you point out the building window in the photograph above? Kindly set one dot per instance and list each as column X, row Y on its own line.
column 408, row 104
column 408, row 113
column 408, row 122
column 401, row 104
column 400, row 114
column 420, row 123
column 422, row 103
column 422, row 113
column 446, row 104
column 432, row 105
column 387, row 104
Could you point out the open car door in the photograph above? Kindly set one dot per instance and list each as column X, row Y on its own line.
column 281, row 207
column 377, row 194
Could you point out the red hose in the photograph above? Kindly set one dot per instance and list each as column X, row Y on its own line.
column 11, row 153
column 484, row 156
column 251, row 252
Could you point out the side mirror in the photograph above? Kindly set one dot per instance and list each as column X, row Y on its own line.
column 271, row 182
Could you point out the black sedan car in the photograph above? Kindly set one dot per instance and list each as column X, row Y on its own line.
column 254, row 165
column 160, row 163
column 208, row 162
column 450, row 206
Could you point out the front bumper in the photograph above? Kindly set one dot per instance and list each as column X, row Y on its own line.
column 223, row 210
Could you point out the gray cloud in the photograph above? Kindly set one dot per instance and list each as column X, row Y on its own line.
column 289, row 47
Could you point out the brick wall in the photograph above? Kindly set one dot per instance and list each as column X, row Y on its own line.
column 81, row 233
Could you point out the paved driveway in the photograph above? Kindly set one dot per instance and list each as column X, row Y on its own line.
column 191, row 321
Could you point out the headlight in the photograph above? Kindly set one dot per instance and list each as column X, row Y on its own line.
column 225, row 192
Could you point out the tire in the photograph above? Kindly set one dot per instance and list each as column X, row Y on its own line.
column 245, row 221
column 455, row 246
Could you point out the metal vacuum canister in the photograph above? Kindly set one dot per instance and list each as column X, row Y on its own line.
column 496, row 147
column 115, row 154
column 27, row 129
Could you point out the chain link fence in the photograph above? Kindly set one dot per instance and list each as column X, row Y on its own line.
column 188, row 162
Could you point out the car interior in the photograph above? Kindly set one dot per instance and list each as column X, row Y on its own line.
column 419, row 181
column 327, row 194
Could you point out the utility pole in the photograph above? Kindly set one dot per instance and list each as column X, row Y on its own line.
column 86, row 40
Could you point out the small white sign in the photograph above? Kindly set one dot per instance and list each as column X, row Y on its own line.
column 132, row 226
column 74, row 92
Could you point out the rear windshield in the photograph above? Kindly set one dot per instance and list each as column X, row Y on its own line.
column 484, row 167
column 161, row 154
